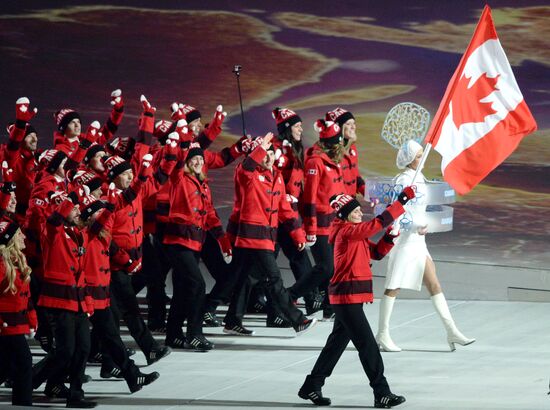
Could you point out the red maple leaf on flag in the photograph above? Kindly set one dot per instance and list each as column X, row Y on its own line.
column 466, row 103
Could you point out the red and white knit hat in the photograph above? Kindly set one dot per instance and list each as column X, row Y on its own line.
column 329, row 132
column 50, row 159
column 57, row 197
column 339, row 116
column 87, row 178
column 284, row 118
column 343, row 204
column 122, row 146
column 115, row 166
column 90, row 205
column 92, row 151
column 8, row 228
column 162, row 129
column 63, row 117
column 190, row 112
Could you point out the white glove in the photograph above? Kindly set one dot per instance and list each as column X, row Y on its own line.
column 310, row 240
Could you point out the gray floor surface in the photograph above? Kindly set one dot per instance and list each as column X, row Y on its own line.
column 506, row 368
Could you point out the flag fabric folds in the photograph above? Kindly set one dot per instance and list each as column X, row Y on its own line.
column 483, row 116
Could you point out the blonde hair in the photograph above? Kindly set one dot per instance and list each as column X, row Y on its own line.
column 13, row 258
column 334, row 151
column 186, row 169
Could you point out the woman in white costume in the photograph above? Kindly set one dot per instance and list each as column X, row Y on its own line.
column 410, row 263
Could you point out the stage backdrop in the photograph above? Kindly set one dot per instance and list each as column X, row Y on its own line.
column 309, row 56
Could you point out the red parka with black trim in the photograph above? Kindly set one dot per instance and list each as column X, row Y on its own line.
column 324, row 179
column 192, row 213
column 353, row 251
column 353, row 182
column 262, row 205
column 63, row 247
column 17, row 315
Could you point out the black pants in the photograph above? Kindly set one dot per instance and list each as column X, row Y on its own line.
column 255, row 265
column 69, row 354
column 155, row 269
column 16, row 360
column 44, row 334
column 189, row 292
column 112, row 347
column 321, row 273
column 299, row 262
column 350, row 324
column 124, row 305
column 223, row 274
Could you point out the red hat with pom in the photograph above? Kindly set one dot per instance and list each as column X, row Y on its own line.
column 329, row 132
column 285, row 118
column 339, row 115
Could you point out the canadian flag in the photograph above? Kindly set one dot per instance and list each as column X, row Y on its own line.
column 483, row 116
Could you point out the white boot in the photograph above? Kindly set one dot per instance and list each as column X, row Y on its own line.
column 383, row 337
column 453, row 334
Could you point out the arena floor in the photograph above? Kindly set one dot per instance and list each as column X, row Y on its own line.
column 508, row 367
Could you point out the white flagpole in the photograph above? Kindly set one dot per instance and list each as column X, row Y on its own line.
column 427, row 150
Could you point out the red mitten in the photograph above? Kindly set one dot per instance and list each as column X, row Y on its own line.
column 177, row 112
column 22, row 111
column 7, row 173
column 111, row 197
column 225, row 246
column 145, row 168
column 118, row 106
column 92, row 133
column 147, row 119
column 116, row 100
column 214, row 129
column 132, row 266
column 185, row 133
column 406, row 195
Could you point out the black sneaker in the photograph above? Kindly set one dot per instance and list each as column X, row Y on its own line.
column 96, row 358
column 157, row 354
column 305, row 326
column 278, row 321
column 175, row 342
column 315, row 396
column 259, row 306
column 58, row 391
column 211, row 320
column 86, row 379
column 142, row 380
column 199, row 343
column 113, row 372
column 388, row 401
column 157, row 329
column 81, row 404
column 237, row 330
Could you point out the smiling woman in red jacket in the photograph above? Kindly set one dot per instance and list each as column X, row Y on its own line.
column 16, row 319
column 350, row 287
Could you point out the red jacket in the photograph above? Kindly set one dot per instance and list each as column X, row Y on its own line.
column 36, row 218
column 17, row 316
column 212, row 160
column 353, row 251
column 24, row 167
column 63, row 247
column 127, row 232
column 262, row 205
column 192, row 213
column 353, row 181
column 292, row 171
column 323, row 180
column 96, row 261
